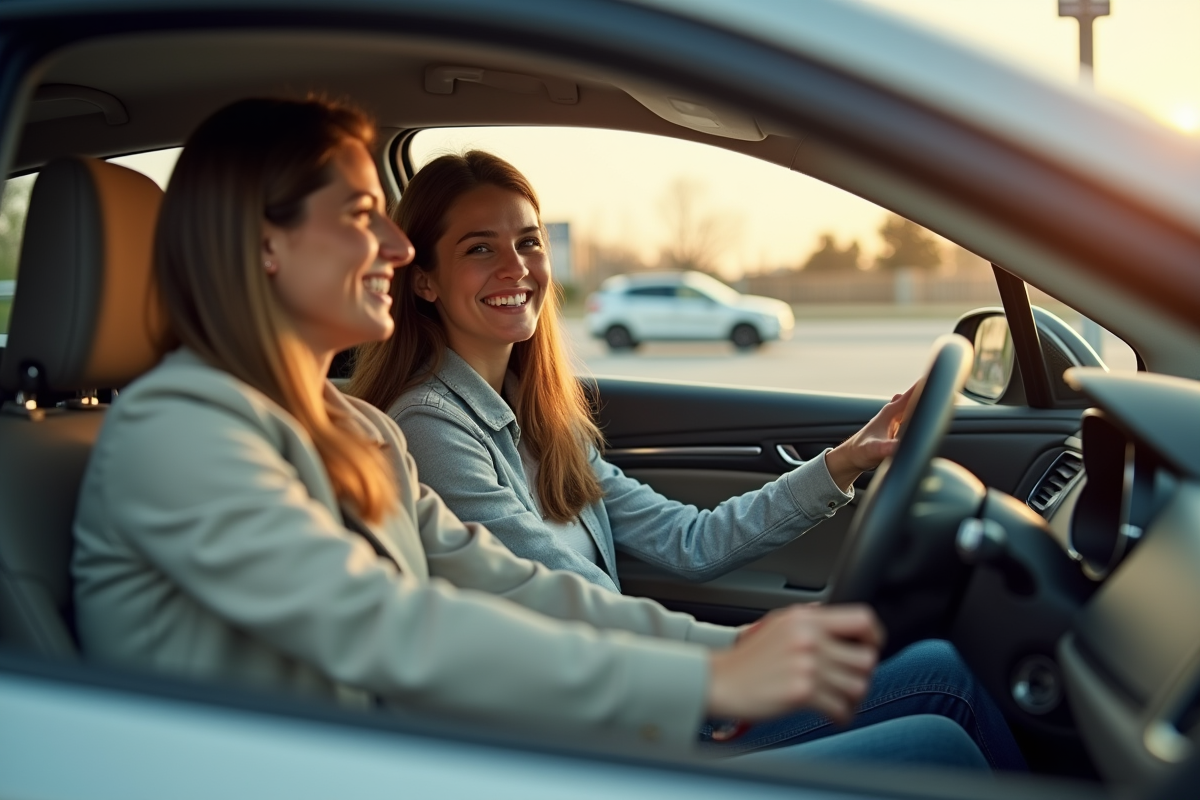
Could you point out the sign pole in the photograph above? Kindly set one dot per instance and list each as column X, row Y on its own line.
column 1085, row 13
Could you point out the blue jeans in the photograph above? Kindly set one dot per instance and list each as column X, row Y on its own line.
column 921, row 740
column 928, row 677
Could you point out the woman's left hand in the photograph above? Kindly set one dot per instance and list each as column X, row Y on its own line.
column 871, row 445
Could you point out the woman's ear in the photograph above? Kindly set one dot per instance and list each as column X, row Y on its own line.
column 270, row 258
column 422, row 285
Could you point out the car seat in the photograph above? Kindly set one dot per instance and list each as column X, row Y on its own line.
column 82, row 319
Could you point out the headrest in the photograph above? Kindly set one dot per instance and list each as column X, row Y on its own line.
column 83, row 313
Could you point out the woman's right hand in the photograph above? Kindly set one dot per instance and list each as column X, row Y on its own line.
column 812, row 657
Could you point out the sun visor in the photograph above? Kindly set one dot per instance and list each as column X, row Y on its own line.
column 698, row 115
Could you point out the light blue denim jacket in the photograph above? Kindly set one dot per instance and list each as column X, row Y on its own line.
column 464, row 438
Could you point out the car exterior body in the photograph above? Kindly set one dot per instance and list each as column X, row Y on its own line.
column 1064, row 193
column 683, row 306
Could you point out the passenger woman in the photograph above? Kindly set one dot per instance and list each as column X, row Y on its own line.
column 240, row 519
column 478, row 379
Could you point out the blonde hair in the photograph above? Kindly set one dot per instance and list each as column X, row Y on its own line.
column 550, row 406
column 253, row 161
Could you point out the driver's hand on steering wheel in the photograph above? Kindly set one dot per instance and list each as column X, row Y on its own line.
column 870, row 445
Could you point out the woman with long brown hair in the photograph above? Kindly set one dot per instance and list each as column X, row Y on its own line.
column 240, row 519
column 478, row 350
column 477, row 378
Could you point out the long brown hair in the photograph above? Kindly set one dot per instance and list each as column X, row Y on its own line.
column 551, row 408
column 253, row 161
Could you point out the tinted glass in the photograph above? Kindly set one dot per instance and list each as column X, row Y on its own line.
column 651, row 291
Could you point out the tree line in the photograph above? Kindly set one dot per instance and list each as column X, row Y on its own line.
column 905, row 244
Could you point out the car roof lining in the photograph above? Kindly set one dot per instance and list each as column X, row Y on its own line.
column 382, row 73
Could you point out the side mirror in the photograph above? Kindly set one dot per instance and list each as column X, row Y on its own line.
column 992, row 367
column 990, row 379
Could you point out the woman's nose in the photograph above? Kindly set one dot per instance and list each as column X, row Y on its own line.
column 511, row 266
column 394, row 246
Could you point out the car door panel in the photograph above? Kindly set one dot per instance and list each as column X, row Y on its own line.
column 702, row 444
column 703, row 488
column 802, row 565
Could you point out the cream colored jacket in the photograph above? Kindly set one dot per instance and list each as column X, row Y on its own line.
column 209, row 543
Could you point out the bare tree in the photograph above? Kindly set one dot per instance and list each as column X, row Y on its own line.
column 698, row 236
column 603, row 260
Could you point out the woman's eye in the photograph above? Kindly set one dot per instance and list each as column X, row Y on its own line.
column 477, row 248
column 532, row 241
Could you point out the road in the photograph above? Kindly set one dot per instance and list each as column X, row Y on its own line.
column 855, row 356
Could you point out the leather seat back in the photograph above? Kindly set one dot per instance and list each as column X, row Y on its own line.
column 83, row 318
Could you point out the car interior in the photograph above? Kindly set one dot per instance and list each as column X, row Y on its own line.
column 1051, row 532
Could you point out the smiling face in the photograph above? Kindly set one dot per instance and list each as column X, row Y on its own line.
column 491, row 278
column 332, row 272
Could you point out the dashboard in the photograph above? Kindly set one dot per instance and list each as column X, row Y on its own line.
column 1131, row 520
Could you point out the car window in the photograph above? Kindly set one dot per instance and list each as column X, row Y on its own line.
column 14, row 205
column 157, row 165
column 1117, row 355
column 650, row 291
column 868, row 291
column 707, row 286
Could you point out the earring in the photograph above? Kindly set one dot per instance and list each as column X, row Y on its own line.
column 269, row 266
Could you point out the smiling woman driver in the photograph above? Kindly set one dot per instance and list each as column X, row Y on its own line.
column 241, row 519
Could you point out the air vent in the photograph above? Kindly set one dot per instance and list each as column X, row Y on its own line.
column 1050, row 490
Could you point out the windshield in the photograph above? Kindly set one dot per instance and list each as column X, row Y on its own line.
column 712, row 287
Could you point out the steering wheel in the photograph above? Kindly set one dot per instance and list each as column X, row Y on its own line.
column 876, row 534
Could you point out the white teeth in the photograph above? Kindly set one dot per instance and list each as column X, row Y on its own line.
column 507, row 300
column 377, row 284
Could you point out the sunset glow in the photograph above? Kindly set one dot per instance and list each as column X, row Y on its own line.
column 1185, row 117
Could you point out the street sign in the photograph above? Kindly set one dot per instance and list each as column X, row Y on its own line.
column 559, row 236
column 1084, row 8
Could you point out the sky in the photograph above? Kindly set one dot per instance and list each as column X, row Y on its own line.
column 761, row 216
column 1146, row 57
column 1146, row 51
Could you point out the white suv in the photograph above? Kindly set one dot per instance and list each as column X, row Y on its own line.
column 630, row 309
